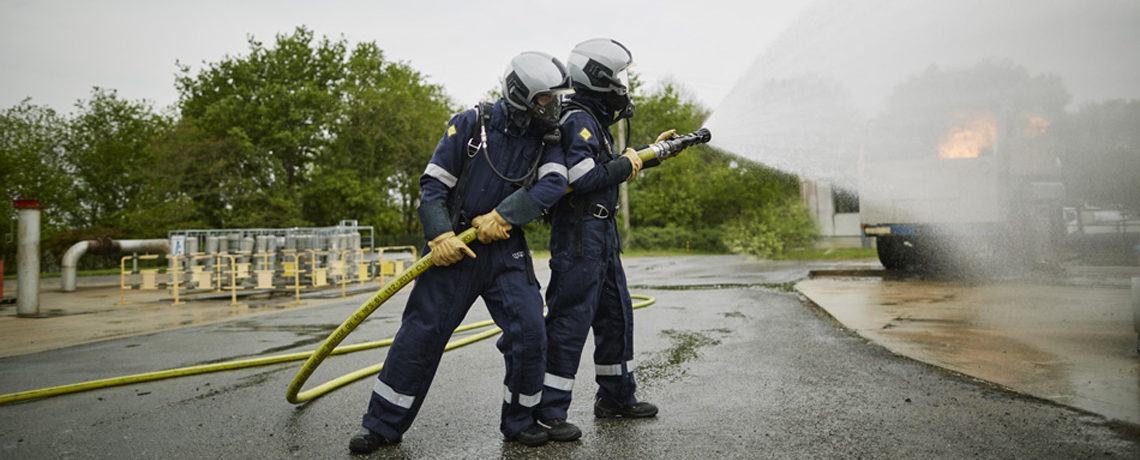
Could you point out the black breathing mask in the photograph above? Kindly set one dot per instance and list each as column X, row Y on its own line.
column 622, row 104
column 545, row 119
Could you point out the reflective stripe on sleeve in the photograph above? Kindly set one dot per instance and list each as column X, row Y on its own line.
column 441, row 175
column 580, row 170
column 552, row 168
column 384, row 391
column 558, row 383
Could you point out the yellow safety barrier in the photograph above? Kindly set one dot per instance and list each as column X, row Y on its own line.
column 242, row 267
column 362, row 268
column 392, row 267
column 123, row 280
column 318, row 275
column 149, row 276
column 339, row 270
column 265, row 275
column 233, row 277
column 201, row 278
column 293, row 269
column 175, row 277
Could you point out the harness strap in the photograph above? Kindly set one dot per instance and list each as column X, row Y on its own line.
column 483, row 112
column 597, row 210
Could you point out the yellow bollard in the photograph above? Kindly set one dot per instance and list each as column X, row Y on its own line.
column 233, row 278
column 265, row 275
column 175, row 283
column 362, row 274
column 339, row 270
column 318, row 275
column 296, row 272
column 123, row 280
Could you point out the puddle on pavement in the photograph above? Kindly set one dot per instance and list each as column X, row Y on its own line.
column 1068, row 343
column 780, row 287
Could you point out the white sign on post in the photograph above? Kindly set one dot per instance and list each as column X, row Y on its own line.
column 178, row 245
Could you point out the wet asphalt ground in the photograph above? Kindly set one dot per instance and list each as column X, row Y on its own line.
column 740, row 365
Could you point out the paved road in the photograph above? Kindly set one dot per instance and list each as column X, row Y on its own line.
column 740, row 365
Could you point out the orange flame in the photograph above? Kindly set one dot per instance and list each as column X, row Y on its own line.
column 1034, row 125
column 971, row 134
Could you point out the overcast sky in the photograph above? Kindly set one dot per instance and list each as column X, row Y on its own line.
column 54, row 51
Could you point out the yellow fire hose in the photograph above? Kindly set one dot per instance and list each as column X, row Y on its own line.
column 292, row 393
column 314, row 357
column 329, row 347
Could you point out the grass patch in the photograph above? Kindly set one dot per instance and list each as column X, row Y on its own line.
column 544, row 254
column 45, row 275
column 666, row 365
column 829, row 254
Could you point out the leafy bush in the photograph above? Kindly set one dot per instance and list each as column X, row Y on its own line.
column 770, row 231
column 677, row 237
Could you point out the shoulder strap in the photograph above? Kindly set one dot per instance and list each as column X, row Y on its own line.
column 483, row 113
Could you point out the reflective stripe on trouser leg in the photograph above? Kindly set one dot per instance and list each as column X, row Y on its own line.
column 439, row 301
column 524, row 400
column 384, row 391
column 613, row 335
column 612, row 370
column 516, row 306
column 558, row 383
column 571, row 299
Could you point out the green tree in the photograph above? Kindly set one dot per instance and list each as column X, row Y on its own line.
column 108, row 150
column 272, row 110
column 32, row 166
column 383, row 136
column 692, row 200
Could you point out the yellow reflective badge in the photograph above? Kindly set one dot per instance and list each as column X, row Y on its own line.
column 585, row 133
column 450, row 130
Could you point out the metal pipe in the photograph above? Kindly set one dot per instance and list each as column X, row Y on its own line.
column 70, row 259
column 1136, row 309
column 103, row 246
column 28, row 258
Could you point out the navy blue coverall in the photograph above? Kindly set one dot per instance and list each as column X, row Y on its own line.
column 587, row 284
column 501, row 273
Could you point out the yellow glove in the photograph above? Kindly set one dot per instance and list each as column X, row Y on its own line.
column 666, row 135
column 492, row 227
column 633, row 160
column 447, row 249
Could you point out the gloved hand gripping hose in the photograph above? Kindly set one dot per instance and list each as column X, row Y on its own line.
column 390, row 289
column 671, row 147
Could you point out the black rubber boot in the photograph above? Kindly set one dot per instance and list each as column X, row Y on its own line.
column 560, row 430
column 367, row 442
column 532, row 436
column 607, row 408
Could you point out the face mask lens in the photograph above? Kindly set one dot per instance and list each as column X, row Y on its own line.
column 622, row 78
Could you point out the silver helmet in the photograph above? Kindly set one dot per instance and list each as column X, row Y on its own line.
column 533, row 74
column 600, row 65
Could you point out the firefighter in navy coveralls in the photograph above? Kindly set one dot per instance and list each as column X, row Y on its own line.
column 587, row 285
column 510, row 177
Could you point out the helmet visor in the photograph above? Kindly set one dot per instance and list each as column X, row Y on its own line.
column 621, row 81
column 546, row 108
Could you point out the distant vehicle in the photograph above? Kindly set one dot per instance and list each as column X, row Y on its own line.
column 971, row 188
